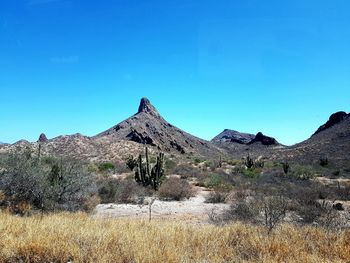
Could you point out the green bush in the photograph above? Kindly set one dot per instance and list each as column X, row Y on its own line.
column 303, row 172
column 169, row 165
column 214, row 181
column 103, row 167
column 251, row 172
column 197, row 161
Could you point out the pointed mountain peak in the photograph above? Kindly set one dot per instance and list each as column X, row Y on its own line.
column 42, row 138
column 147, row 107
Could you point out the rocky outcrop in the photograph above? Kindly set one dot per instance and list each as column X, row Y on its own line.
column 147, row 107
column 233, row 136
column 43, row 138
column 334, row 119
column 263, row 139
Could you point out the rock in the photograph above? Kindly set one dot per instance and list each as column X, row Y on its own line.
column 146, row 107
column 233, row 136
column 263, row 139
column 43, row 138
column 338, row 206
column 334, row 119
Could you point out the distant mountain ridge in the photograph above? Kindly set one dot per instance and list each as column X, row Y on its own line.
column 148, row 128
column 233, row 136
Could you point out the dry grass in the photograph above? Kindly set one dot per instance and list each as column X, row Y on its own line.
column 81, row 238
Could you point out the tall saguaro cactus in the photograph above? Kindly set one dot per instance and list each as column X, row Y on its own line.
column 147, row 175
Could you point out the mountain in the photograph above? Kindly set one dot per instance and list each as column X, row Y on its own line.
column 263, row 139
column 331, row 140
column 334, row 119
column 233, row 136
column 148, row 127
column 129, row 137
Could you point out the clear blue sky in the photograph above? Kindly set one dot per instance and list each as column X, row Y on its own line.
column 67, row 66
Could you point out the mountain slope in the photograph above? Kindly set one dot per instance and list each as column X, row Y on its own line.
column 148, row 127
column 331, row 140
column 129, row 137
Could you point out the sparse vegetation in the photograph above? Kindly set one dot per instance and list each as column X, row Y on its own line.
column 46, row 184
column 175, row 189
column 216, row 197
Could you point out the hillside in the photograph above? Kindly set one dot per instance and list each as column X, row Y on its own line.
column 331, row 140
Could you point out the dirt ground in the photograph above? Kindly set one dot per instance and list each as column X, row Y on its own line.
column 193, row 209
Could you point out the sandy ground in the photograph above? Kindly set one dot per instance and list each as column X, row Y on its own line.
column 193, row 209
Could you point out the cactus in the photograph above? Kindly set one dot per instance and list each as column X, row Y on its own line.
column 285, row 167
column 220, row 162
column 249, row 162
column 147, row 175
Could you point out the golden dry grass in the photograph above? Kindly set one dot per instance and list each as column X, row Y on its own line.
column 81, row 238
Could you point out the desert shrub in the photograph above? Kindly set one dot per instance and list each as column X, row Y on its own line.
column 266, row 210
column 113, row 190
column 273, row 209
column 48, row 184
column 187, row 170
column 106, row 167
column 216, row 197
column 336, row 173
column 303, row 172
column 259, row 163
column 120, row 167
column 128, row 191
column 107, row 189
column 245, row 211
column 197, row 161
column 233, row 162
column 343, row 192
column 251, row 172
column 214, row 181
column 175, row 189
column 169, row 165
column 272, row 164
column 323, row 161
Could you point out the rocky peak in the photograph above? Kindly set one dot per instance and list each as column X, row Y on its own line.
column 147, row 107
column 233, row 136
column 42, row 138
column 263, row 139
column 334, row 119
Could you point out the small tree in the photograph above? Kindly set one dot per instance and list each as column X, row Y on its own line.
column 274, row 210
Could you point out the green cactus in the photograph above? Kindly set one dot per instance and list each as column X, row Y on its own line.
column 249, row 162
column 147, row 175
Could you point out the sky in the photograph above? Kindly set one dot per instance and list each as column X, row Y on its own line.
column 69, row 66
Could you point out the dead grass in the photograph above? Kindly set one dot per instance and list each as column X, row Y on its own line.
column 81, row 238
